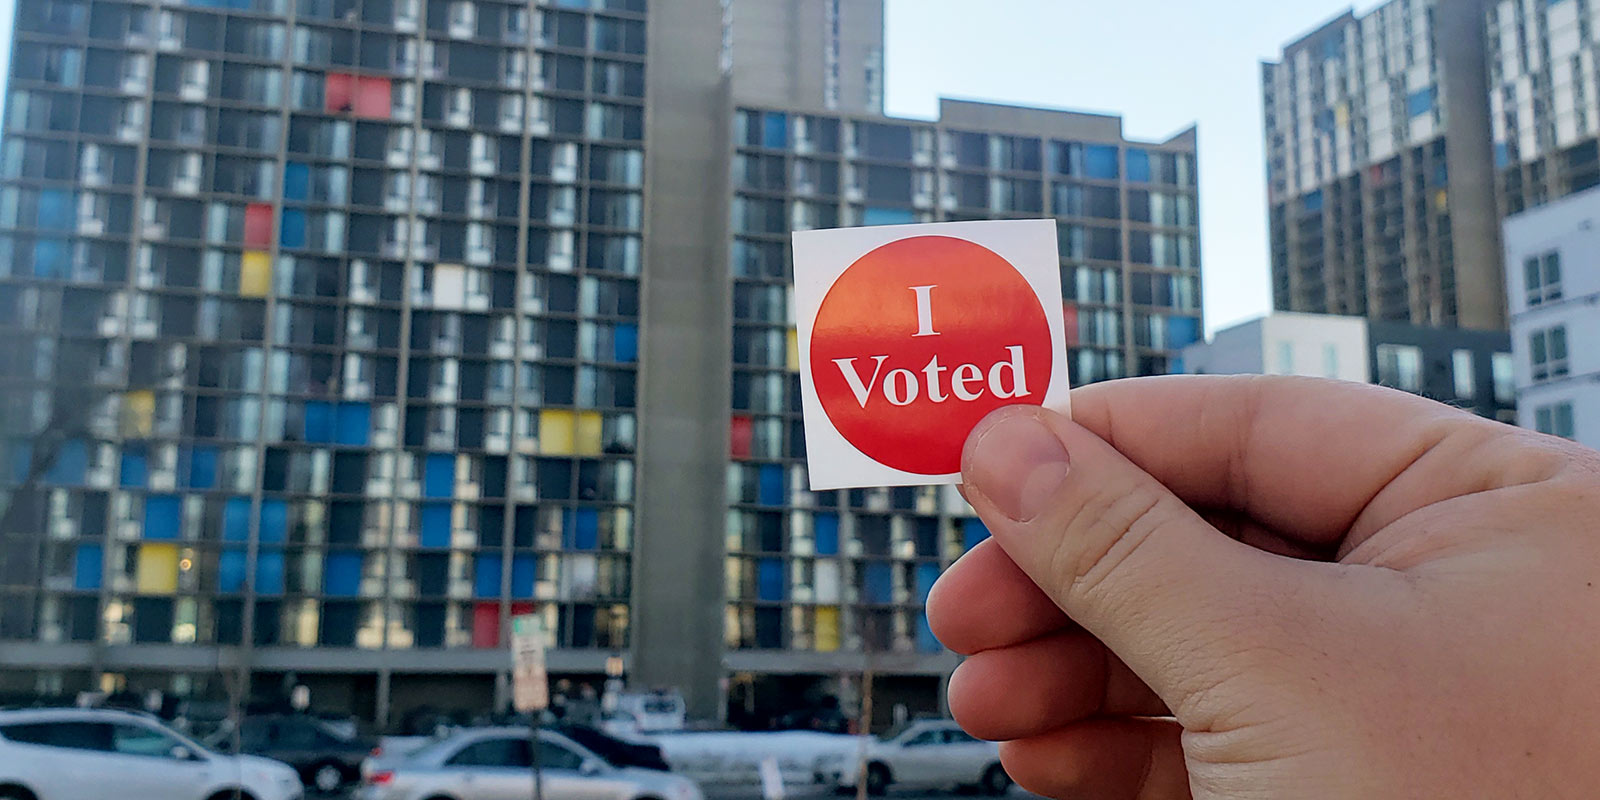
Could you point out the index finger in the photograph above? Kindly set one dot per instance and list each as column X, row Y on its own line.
column 1308, row 457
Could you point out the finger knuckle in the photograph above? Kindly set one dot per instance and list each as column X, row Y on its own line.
column 1106, row 532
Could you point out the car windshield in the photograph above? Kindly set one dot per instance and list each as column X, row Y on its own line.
column 895, row 732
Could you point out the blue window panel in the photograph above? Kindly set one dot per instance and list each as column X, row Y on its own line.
column 1420, row 102
column 341, row 575
column 486, row 576
column 887, row 216
column 1324, row 122
column 58, row 210
column 771, row 485
column 1182, row 332
column 269, row 572
column 880, row 583
column 355, row 419
column 586, row 533
column 163, row 517
column 926, row 641
column 21, row 462
column 439, row 476
column 524, row 568
column 236, row 520
column 319, row 422
column 627, row 343
column 435, row 525
column 230, row 570
column 1502, row 154
column 72, row 461
column 770, row 586
column 1100, row 161
column 1176, row 366
column 88, row 567
column 927, row 574
column 296, row 181
column 1311, row 203
column 292, row 228
column 827, row 534
column 202, row 468
column 1139, row 166
column 274, row 521
column 1441, row 174
column 135, row 469
column 50, row 259
column 973, row 531
column 774, row 130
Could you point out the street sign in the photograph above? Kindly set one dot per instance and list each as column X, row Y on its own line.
column 530, row 686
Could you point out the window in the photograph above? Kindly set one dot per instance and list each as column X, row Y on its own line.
column 1330, row 360
column 1462, row 367
column 137, row 740
column 556, row 756
column 75, row 735
column 1543, row 274
column 494, row 753
column 1505, row 384
column 1400, row 367
column 1286, row 358
column 1549, row 353
column 1555, row 420
column 925, row 738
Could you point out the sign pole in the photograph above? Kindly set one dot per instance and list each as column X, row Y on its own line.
column 530, row 688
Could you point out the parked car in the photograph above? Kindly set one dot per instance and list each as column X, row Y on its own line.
column 930, row 754
column 325, row 759
column 660, row 710
column 92, row 754
column 497, row 764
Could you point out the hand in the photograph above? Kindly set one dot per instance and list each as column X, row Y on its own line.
column 1278, row 588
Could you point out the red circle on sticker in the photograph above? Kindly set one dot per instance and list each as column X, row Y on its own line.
column 921, row 338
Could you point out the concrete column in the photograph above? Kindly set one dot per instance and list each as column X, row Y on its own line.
column 1469, row 156
column 683, row 384
column 382, row 705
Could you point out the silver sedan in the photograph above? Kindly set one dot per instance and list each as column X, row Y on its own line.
column 497, row 764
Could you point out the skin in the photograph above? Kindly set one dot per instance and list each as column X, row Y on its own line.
column 1254, row 587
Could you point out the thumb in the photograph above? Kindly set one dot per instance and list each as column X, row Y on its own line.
column 1178, row 601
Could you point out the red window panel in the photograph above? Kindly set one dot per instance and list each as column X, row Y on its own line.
column 486, row 625
column 373, row 98
column 518, row 609
column 339, row 93
column 1071, row 312
column 258, row 225
column 739, row 438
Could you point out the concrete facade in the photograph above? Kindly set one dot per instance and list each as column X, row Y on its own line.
column 1560, row 392
column 824, row 54
column 1317, row 345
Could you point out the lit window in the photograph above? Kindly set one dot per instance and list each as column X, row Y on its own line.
column 1400, row 367
column 1465, row 375
column 1505, row 384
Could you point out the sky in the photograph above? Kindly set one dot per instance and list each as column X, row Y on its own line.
column 1161, row 64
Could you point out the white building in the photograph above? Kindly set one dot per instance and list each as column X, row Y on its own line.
column 1553, row 286
column 1317, row 345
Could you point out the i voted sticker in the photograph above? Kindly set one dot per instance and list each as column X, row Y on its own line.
column 909, row 335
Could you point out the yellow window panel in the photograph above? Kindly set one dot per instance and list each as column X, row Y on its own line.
column 557, row 432
column 1341, row 114
column 158, row 569
column 827, row 629
column 589, row 425
column 138, row 413
column 794, row 350
column 1441, row 200
column 255, row 274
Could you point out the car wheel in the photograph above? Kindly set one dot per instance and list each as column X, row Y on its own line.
column 878, row 780
column 995, row 781
column 327, row 777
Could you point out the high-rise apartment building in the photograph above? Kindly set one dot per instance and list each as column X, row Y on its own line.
column 1544, row 100
column 1379, row 180
column 821, row 583
column 340, row 331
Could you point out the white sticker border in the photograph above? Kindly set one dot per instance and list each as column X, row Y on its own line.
column 1028, row 245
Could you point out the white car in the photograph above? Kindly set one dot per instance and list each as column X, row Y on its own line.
column 925, row 755
column 93, row 754
column 497, row 764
